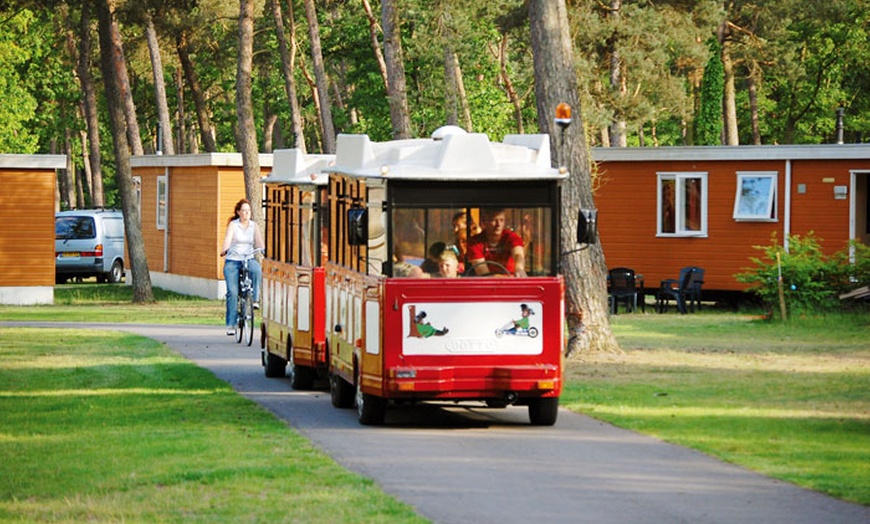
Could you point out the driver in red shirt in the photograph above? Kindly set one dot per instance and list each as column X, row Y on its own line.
column 497, row 244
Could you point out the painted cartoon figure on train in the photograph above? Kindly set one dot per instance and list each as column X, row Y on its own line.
column 420, row 328
column 521, row 326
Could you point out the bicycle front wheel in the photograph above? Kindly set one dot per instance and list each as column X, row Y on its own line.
column 240, row 314
column 248, row 327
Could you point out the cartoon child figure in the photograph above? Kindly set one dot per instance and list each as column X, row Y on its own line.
column 425, row 329
column 523, row 322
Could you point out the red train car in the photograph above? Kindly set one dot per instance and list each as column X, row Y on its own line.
column 395, row 329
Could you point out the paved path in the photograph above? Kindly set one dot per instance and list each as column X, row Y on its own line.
column 458, row 465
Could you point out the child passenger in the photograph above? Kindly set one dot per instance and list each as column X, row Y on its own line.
column 448, row 264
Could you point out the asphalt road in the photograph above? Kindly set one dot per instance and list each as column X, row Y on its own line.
column 460, row 465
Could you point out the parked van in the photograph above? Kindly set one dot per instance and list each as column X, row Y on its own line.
column 89, row 243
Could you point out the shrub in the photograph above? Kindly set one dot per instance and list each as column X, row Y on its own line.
column 811, row 280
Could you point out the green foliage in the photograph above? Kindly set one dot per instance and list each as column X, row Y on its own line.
column 708, row 126
column 808, row 59
column 811, row 280
column 19, row 102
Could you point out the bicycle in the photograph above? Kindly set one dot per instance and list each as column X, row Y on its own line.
column 245, row 303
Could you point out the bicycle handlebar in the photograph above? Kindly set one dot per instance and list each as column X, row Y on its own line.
column 249, row 255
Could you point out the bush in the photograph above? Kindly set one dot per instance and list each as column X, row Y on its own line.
column 811, row 280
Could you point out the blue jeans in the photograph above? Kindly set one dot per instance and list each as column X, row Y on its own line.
column 232, row 268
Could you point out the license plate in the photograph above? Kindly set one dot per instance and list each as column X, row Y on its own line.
column 70, row 254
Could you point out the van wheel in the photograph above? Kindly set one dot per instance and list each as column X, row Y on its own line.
column 116, row 273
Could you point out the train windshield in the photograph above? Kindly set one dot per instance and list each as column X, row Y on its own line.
column 420, row 235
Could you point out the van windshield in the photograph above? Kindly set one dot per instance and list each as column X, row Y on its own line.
column 74, row 228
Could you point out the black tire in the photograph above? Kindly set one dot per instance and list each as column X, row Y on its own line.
column 248, row 328
column 240, row 321
column 274, row 366
column 301, row 377
column 116, row 273
column 371, row 410
column 533, row 332
column 544, row 411
column 340, row 392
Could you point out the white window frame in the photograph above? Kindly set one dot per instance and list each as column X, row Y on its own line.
column 680, row 179
column 766, row 209
column 162, row 202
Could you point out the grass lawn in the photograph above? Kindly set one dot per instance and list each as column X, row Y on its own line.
column 91, row 302
column 791, row 400
column 99, row 426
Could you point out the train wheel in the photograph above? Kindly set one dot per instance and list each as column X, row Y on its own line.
column 544, row 411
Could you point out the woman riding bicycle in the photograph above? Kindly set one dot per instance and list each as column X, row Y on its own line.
column 243, row 236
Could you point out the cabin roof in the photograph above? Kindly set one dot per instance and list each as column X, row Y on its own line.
column 10, row 161
column 449, row 156
column 196, row 160
column 724, row 153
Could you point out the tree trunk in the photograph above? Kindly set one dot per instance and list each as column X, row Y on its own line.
column 376, row 46
column 89, row 101
column 315, row 97
column 205, row 131
column 617, row 81
column 288, row 60
column 752, row 88
column 269, row 130
column 67, row 183
column 119, row 62
column 585, row 271
column 168, row 146
column 246, row 133
column 328, row 128
column 78, row 191
column 182, row 115
column 397, row 92
column 86, row 169
column 451, row 96
column 514, row 97
column 729, row 109
column 112, row 61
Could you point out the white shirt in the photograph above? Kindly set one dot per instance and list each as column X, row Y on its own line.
column 243, row 240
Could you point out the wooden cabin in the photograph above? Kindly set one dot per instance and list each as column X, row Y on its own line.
column 27, row 206
column 185, row 202
column 660, row 209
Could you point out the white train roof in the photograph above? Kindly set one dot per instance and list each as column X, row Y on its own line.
column 291, row 166
column 451, row 154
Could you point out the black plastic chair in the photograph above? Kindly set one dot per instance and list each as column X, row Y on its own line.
column 677, row 289
column 623, row 287
column 693, row 294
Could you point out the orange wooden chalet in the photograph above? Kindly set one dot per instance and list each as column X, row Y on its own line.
column 661, row 209
column 27, row 206
column 185, row 202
